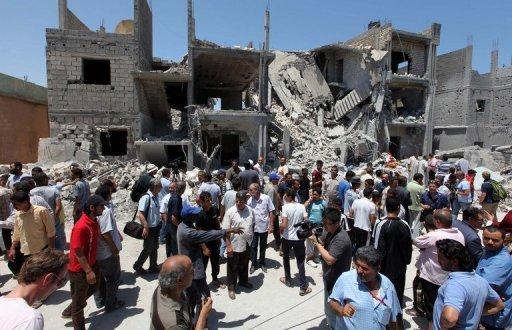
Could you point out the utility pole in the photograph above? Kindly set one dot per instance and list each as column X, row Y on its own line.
column 263, row 74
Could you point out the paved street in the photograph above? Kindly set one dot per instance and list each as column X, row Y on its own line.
column 270, row 305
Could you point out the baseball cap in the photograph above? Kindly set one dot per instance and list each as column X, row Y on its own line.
column 189, row 210
column 273, row 176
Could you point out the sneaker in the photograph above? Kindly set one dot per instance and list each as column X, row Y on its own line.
column 285, row 281
column 305, row 291
column 311, row 263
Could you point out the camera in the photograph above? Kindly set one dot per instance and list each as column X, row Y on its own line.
column 308, row 228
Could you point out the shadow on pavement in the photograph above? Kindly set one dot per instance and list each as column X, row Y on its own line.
column 274, row 264
column 113, row 319
column 256, row 281
column 58, row 297
column 237, row 323
column 127, row 278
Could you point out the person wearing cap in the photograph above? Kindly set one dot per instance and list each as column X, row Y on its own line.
column 83, row 269
column 189, row 244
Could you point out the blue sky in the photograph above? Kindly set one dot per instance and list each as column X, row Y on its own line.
column 295, row 25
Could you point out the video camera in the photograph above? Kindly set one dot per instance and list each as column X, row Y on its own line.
column 308, row 228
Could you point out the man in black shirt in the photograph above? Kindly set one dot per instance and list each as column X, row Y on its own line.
column 395, row 245
column 248, row 176
column 173, row 218
column 336, row 252
column 208, row 219
column 305, row 185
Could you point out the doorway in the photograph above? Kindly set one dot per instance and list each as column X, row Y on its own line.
column 394, row 146
column 230, row 148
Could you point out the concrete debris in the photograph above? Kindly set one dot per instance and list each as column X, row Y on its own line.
column 350, row 101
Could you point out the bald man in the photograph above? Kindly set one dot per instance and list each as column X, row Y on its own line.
column 170, row 308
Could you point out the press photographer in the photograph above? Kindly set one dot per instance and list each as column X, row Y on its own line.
column 336, row 253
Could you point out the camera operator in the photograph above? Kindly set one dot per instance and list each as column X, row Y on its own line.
column 336, row 253
column 293, row 214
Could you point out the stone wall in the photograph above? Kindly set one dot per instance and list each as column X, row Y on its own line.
column 143, row 31
column 376, row 37
column 416, row 50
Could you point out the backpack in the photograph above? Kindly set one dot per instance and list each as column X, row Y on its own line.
column 140, row 187
column 498, row 192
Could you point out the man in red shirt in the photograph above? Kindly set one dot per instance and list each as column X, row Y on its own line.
column 317, row 175
column 83, row 269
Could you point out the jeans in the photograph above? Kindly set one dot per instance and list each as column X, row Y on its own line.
column 458, row 206
column 222, row 250
column 80, row 292
column 60, row 236
column 238, row 266
column 329, row 313
column 416, row 225
column 163, row 231
column 262, row 237
column 149, row 249
column 300, row 255
column 214, row 257
column 110, row 272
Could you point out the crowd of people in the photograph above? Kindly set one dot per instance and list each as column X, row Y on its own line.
column 360, row 228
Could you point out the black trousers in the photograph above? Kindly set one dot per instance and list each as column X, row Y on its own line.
column 398, row 281
column 429, row 296
column 171, row 241
column 299, row 249
column 214, row 248
column 276, row 232
column 238, row 268
column 196, row 292
column 262, row 239
column 360, row 238
column 149, row 249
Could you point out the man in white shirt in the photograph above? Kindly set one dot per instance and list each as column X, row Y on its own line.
column 238, row 245
column 263, row 224
column 293, row 213
column 364, row 213
column 39, row 277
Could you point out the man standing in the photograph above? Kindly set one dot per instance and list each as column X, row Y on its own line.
column 472, row 220
column 317, row 175
column 463, row 165
column 52, row 197
column 189, row 244
column 238, row 245
column 209, row 220
column 107, row 255
column 344, row 186
column 364, row 213
column 431, row 273
column 40, row 276
column 336, row 253
column 395, row 245
column 305, row 185
column 233, row 171
column 495, row 266
column 416, row 190
column 170, row 211
column 258, row 167
column 315, row 208
column 282, row 170
column 463, row 198
column 248, row 176
column 81, row 192
column 330, row 186
column 292, row 214
column 34, row 229
column 16, row 170
column 412, row 166
column 270, row 190
column 149, row 216
column 486, row 196
column 285, row 184
column 263, row 209
column 170, row 307
column 464, row 296
column 165, row 180
column 212, row 188
column 383, row 184
column 83, row 269
column 223, row 183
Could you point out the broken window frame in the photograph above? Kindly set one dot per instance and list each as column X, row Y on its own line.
column 480, row 105
column 119, row 143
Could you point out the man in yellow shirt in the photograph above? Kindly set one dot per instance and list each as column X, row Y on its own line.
column 34, row 228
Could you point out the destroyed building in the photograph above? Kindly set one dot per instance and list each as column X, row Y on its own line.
column 472, row 108
column 370, row 94
column 109, row 97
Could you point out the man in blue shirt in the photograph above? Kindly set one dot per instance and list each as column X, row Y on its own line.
column 463, row 200
column 363, row 298
column 149, row 216
column 465, row 296
column 496, row 267
column 344, row 186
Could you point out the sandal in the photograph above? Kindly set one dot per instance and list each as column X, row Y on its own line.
column 285, row 281
column 305, row 291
